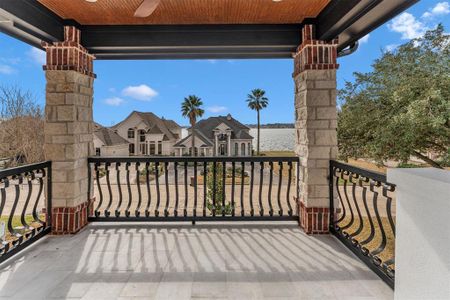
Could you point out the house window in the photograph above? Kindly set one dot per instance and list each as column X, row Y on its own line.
column 152, row 148
column 142, row 149
column 131, row 133
column 97, row 151
column 131, row 149
column 243, row 149
column 159, row 148
column 142, row 135
column 236, row 149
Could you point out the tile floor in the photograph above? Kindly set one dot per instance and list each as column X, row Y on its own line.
column 176, row 261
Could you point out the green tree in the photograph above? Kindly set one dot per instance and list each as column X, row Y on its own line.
column 215, row 183
column 257, row 100
column 402, row 107
column 191, row 108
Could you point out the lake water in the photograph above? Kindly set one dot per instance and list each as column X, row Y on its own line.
column 272, row 139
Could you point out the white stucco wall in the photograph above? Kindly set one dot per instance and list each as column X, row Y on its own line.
column 117, row 150
column 422, row 246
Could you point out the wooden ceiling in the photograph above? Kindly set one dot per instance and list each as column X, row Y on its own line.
column 172, row 12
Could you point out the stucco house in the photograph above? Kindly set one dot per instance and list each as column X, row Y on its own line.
column 217, row 136
column 148, row 134
column 109, row 143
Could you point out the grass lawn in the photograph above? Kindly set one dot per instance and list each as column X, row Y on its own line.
column 389, row 251
column 17, row 223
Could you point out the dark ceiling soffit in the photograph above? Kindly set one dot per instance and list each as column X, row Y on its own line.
column 30, row 21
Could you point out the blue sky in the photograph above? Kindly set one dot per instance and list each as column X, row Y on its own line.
column 160, row 86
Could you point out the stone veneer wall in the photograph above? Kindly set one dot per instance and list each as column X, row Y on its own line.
column 68, row 130
column 316, row 124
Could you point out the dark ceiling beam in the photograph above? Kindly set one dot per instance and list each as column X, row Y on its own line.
column 30, row 21
column 186, row 41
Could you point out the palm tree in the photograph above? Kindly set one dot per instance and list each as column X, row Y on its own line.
column 257, row 101
column 191, row 108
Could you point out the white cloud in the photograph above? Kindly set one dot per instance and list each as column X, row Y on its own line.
column 364, row 39
column 408, row 26
column 141, row 92
column 6, row 70
column 114, row 101
column 216, row 109
column 212, row 61
column 442, row 8
column 37, row 55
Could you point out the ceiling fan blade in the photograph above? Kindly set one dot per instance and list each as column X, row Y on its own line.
column 146, row 8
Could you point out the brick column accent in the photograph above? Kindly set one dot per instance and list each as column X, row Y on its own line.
column 68, row 129
column 316, row 123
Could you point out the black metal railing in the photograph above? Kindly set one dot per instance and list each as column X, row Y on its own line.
column 194, row 188
column 25, row 199
column 365, row 216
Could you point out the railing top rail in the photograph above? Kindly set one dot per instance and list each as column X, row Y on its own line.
column 160, row 159
column 377, row 176
column 18, row 170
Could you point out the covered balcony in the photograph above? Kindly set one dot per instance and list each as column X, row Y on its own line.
column 237, row 227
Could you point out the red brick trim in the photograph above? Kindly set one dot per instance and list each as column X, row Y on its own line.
column 314, row 220
column 69, row 220
column 69, row 54
column 315, row 54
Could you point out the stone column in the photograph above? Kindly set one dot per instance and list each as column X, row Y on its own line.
column 68, row 129
column 229, row 143
column 316, row 123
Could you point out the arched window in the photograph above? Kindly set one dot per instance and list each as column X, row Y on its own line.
column 243, row 149
column 131, row 133
column 236, row 149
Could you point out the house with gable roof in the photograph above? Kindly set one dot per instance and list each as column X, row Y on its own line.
column 217, row 136
column 148, row 134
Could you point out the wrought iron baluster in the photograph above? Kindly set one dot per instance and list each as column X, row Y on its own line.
column 252, row 178
column 41, row 177
column 185, row 188
column 280, row 182
column 383, row 242
column 30, row 177
column 158, row 192
column 352, row 178
column 352, row 216
column 341, row 200
column 214, row 179
column 130, row 195
column 389, row 188
column 4, row 184
column 369, row 215
column 166, row 179
column 224, row 182
column 108, row 183
column 269, row 193
column 261, row 176
column 205, row 178
column 233, row 182
column 175, row 166
column 99, row 188
column 138, row 185
column 147, row 183
column 195, row 189
column 119, row 189
column 242, row 188
column 17, row 181
column 289, row 188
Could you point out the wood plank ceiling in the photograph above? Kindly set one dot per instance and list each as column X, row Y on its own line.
column 171, row 12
